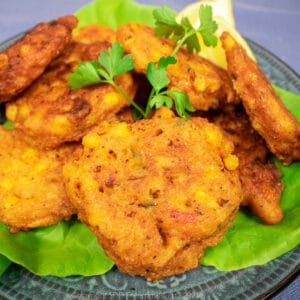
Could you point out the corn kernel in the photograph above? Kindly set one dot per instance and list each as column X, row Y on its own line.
column 231, row 162
column 11, row 112
column 214, row 136
column 10, row 201
column 205, row 198
column 229, row 42
column 112, row 99
column 91, row 140
column 40, row 167
column 121, row 130
column 25, row 50
column 60, row 125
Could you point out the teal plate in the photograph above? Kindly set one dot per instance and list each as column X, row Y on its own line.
column 256, row 282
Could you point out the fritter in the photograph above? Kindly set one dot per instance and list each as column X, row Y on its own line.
column 260, row 178
column 49, row 112
column 207, row 85
column 32, row 190
column 94, row 33
column 26, row 60
column 156, row 192
column 268, row 115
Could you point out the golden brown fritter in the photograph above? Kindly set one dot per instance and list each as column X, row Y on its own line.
column 94, row 33
column 49, row 112
column 260, row 178
column 207, row 85
column 32, row 190
column 268, row 115
column 27, row 59
column 156, row 192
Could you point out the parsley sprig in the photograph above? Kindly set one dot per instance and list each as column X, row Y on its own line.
column 183, row 32
column 113, row 62
column 159, row 96
column 110, row 64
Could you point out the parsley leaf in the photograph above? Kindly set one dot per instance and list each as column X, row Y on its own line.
column 85, row 74
column 207, row 26
column 158, row 78
column 182, row 103
column 8, row 125
column 184, row 33
column 166, row 24
column 159, row 100
column 114, row 62
column 191, row 39
column 110, row 64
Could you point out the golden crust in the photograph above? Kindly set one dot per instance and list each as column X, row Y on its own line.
column 26, row 60
column 155, row 192
column 94, row 33
column 207, row 85
column 32, row 191
column 269, row 117
column 49, row 112
column 260, row 178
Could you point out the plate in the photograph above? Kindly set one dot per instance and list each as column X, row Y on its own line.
column 201, row 283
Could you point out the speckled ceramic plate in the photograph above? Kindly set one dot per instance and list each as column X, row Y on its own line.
column 202, row 283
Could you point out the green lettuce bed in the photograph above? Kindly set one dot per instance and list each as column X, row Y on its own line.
column 69, row 248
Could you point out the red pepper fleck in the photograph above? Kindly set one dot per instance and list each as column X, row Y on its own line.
column 184, row 217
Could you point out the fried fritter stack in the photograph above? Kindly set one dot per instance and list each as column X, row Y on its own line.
column 155, row 192
column 50, row 113
column 48, row 119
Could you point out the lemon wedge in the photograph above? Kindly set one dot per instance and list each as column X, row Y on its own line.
column 223, row 15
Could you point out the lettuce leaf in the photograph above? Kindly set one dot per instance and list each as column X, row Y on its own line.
column 4, row 264
column 290, row 100
column 69, row 248
column 113, row 13
column 4, row 261
column 248, row 242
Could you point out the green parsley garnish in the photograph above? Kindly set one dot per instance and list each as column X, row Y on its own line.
column 8, row 125
column 184, row 33
column 159, row 96
column 113, row 62
column 110, row 64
